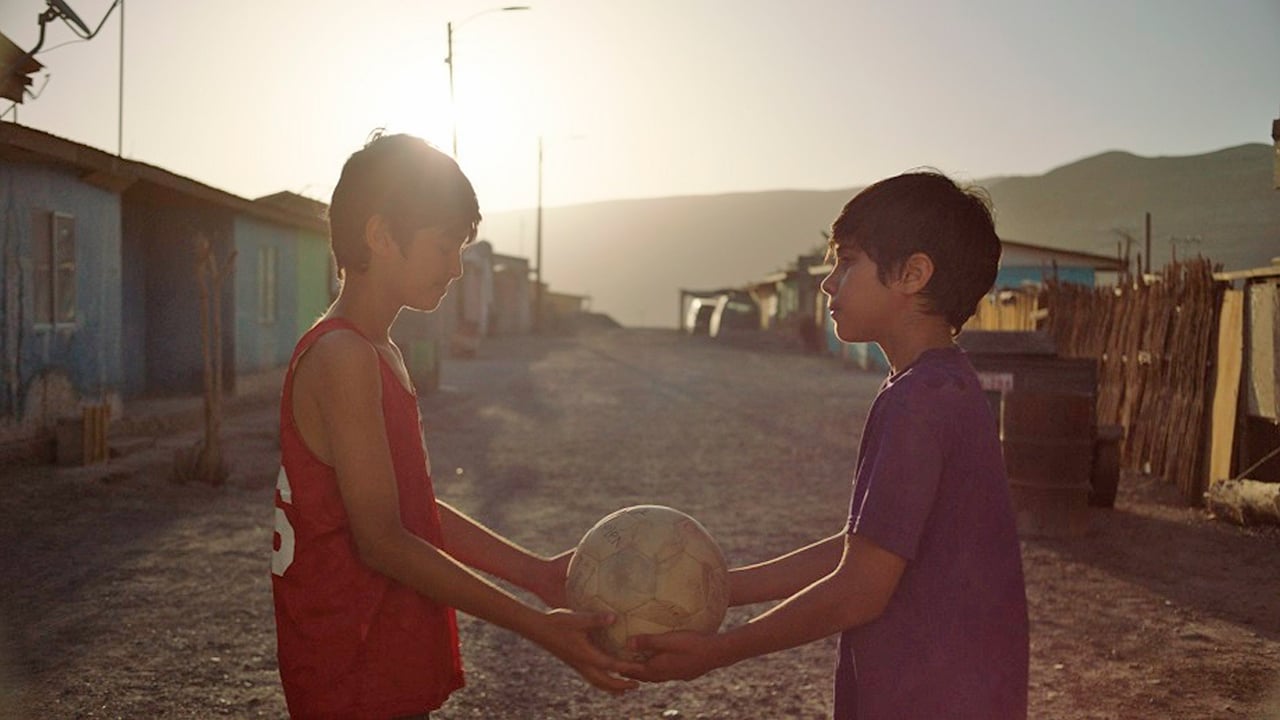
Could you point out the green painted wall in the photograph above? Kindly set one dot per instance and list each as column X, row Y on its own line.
column 315, row 275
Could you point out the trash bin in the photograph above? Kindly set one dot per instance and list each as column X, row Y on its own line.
column 1047, row 439
column 1025, row 360
column 1046, row 408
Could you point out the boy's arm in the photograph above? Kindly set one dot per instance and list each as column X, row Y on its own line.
column 475, row 545
column 785, row 575
column 856, row 593
column 350, row 409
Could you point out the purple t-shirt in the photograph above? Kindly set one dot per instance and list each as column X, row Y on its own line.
column 931, row 488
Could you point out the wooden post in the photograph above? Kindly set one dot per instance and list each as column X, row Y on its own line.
column 204, row 462
column 94, row 422
column 1148, row 245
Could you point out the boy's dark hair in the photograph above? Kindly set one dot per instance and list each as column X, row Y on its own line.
column 926, row 212
column 406, row 180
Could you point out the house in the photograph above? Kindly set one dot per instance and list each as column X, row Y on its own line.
column 1245, row 422
column 493, row 297
column 59, row 260
column 1014, row 302
column 315, row 272
column 474, row 298
column 100, row 299
column 1024, row 264
column 696, row 308
column 799, row 305
column 101, row 302
column 512, row 312
column 560, row 310
column 790, row 300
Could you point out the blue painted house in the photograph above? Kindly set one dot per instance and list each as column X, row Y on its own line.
column 284, row 281
column 1024, row 264
column 61, row 235
column 314, row 273
column 99, row 298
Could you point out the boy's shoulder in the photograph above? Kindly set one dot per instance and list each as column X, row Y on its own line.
column 938, row 372
column 933, row 385
column 339, row 352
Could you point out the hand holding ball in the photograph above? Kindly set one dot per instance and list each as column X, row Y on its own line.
column 656, row 569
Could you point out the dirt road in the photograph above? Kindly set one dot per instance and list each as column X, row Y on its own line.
column 126, row 596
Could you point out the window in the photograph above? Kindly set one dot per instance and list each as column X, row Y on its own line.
column 267, row 257
column 54, row 283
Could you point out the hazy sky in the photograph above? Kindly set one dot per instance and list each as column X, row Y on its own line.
column 647, row 98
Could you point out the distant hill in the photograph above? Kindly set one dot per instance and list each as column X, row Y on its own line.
column 1219, row 204
column 633, row 256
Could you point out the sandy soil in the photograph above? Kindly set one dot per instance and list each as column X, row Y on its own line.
column 126, row 596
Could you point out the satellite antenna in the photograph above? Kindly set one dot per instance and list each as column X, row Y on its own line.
column 60, row 8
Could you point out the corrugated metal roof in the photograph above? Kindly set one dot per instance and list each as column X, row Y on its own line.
column 23, row 144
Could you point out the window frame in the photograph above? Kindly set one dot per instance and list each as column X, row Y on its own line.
column 268, row 284
column 55, row 264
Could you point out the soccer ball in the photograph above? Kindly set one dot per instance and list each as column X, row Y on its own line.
column 656, row 569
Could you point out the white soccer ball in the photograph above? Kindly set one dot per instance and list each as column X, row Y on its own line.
column 656, row 569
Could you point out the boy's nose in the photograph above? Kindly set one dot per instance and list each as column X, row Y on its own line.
column 825, row 286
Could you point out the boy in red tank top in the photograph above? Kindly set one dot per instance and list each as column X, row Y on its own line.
column 368, row 566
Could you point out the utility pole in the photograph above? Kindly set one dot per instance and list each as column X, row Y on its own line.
column 448, row 60
column 537, row 271
column 1275, row 137
column 453, row 109
column 1148, row 252
column 120, row 96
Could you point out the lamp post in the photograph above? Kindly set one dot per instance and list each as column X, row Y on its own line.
column 1275, row 135
column 537, row 253
column 537, row 270
column 448, row 60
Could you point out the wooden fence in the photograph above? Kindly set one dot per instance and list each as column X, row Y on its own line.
column 1154, row 341
column 1007, row 310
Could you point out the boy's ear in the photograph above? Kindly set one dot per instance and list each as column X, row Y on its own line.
column 377, row 233
column 917, row 269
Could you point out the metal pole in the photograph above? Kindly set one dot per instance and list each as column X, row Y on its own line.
column 453, row 107
column 1275, row 136
column 120, row 97
column 448, row 60
column 537, row 288
column 1148, row 235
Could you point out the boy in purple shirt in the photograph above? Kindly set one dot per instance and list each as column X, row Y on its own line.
column 925, row 582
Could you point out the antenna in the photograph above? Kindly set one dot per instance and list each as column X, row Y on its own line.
column 60, row 7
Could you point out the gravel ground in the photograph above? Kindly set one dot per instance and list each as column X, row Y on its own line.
column 127, row 596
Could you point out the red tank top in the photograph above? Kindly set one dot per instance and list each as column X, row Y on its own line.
column 353, row 643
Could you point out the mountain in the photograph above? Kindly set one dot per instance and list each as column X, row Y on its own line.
column 1221, row 205
column 633, row 256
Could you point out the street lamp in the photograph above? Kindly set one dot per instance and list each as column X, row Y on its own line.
column 537, row 270
column 448, row 60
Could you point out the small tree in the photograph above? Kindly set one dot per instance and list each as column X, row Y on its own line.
column 203, row 461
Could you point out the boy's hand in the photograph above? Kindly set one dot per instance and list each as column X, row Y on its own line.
column 566, row 637
column 679, row 655
column 549, row 585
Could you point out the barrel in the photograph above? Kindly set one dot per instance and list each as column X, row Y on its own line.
column 1048, row 440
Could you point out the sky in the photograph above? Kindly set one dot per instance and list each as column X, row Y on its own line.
column 653, row 98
